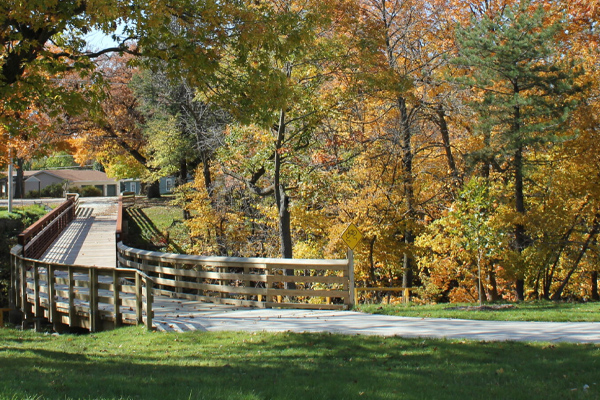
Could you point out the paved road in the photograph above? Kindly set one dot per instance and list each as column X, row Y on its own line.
column 174, row 315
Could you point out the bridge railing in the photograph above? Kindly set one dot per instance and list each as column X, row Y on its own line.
column 88, row 297
column 255, row 282
column 38, row 237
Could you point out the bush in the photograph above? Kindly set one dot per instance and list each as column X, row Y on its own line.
column 54, row 190
column 32, row 194
column 90, row 191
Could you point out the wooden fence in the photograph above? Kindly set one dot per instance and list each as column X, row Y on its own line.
column 38, row 237
column 254, row 282
column 90, row 297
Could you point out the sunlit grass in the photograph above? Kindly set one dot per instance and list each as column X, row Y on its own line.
column 131, row 363
column 522, row 311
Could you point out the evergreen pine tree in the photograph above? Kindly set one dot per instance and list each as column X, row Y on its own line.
column 524, row 94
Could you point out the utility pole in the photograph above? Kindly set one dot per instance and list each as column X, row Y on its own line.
column 10, row 181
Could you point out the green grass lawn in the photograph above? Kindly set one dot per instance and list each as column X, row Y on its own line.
column 522, row 311
column 157, row 225
column 131, row 363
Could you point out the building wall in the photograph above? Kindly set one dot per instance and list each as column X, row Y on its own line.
column 44, row 181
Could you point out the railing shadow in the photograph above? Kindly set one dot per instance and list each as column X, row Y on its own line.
column 68, row 245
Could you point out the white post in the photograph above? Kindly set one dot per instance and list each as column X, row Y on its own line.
column 10, row 181
column 351, row 276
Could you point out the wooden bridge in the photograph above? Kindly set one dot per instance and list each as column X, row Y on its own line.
column 72, row 269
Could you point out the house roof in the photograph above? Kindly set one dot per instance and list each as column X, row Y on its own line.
column 72, row 175
column 77, row 175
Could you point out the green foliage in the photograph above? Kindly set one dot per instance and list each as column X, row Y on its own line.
column 61, row 159
column 54, row 190
column 86, row 191
column 12, row 224
column 522, row 86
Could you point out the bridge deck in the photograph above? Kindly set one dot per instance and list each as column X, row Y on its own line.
column 90, row 238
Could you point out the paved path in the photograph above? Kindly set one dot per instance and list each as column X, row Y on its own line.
column 90, row 238
column 177, row 315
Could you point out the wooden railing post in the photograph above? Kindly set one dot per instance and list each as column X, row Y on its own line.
column 138, row 299
column 351, row 300
column 116, row 298
column 149, row 301
column 51, row 302
column 93, row 299
column 71, row 284
column 38, row 312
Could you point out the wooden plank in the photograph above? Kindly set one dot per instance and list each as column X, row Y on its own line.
column 149, row 300
column 93, row 301
column 211, row 287
column 206, row 274
column 71, row 296
column 308, row 293
column 307, row 279
column 138, row 299
column 51, row 294
column 291, row 263
column 116, row 298
column 306, row 306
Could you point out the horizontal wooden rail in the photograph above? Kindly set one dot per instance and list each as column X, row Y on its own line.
column 405, row 292
column 88, row 297
column 255, row 282
column 38, row 237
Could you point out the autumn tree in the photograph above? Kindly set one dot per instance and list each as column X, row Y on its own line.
column 281, row 60
column 521, row 88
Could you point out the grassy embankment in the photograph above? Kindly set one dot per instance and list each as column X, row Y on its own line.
column 157, row 225
column 131, row 363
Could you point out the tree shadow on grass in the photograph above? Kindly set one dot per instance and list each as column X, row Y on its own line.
column 300, row 366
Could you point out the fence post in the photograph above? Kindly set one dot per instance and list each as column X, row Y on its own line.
column 138, row 299
column 71, row 296
column 51, row 302
column 116, row 298
column 36, row 301
column 351, row 302
column 93, row 299
column 149, row 301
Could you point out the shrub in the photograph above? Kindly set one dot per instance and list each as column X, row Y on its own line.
column 32, row 194
column 90, row 191
column 54, row 190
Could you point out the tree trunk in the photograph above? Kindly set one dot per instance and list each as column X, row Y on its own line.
column 407, row 158
column 596, row 226
column 494, row 296
column 20, row 181
column 594, row 279
column 183, row 172
column 520, row 236
column 371, row 278
column 282, row 201
column 153, row 190
column 441, row 114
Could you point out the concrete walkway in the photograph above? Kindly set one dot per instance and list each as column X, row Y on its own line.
column 177, row 315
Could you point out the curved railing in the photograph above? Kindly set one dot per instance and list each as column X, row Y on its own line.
column 81, row 296
column 253, row 282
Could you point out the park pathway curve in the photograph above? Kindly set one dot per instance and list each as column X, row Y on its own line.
column 180, row 316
